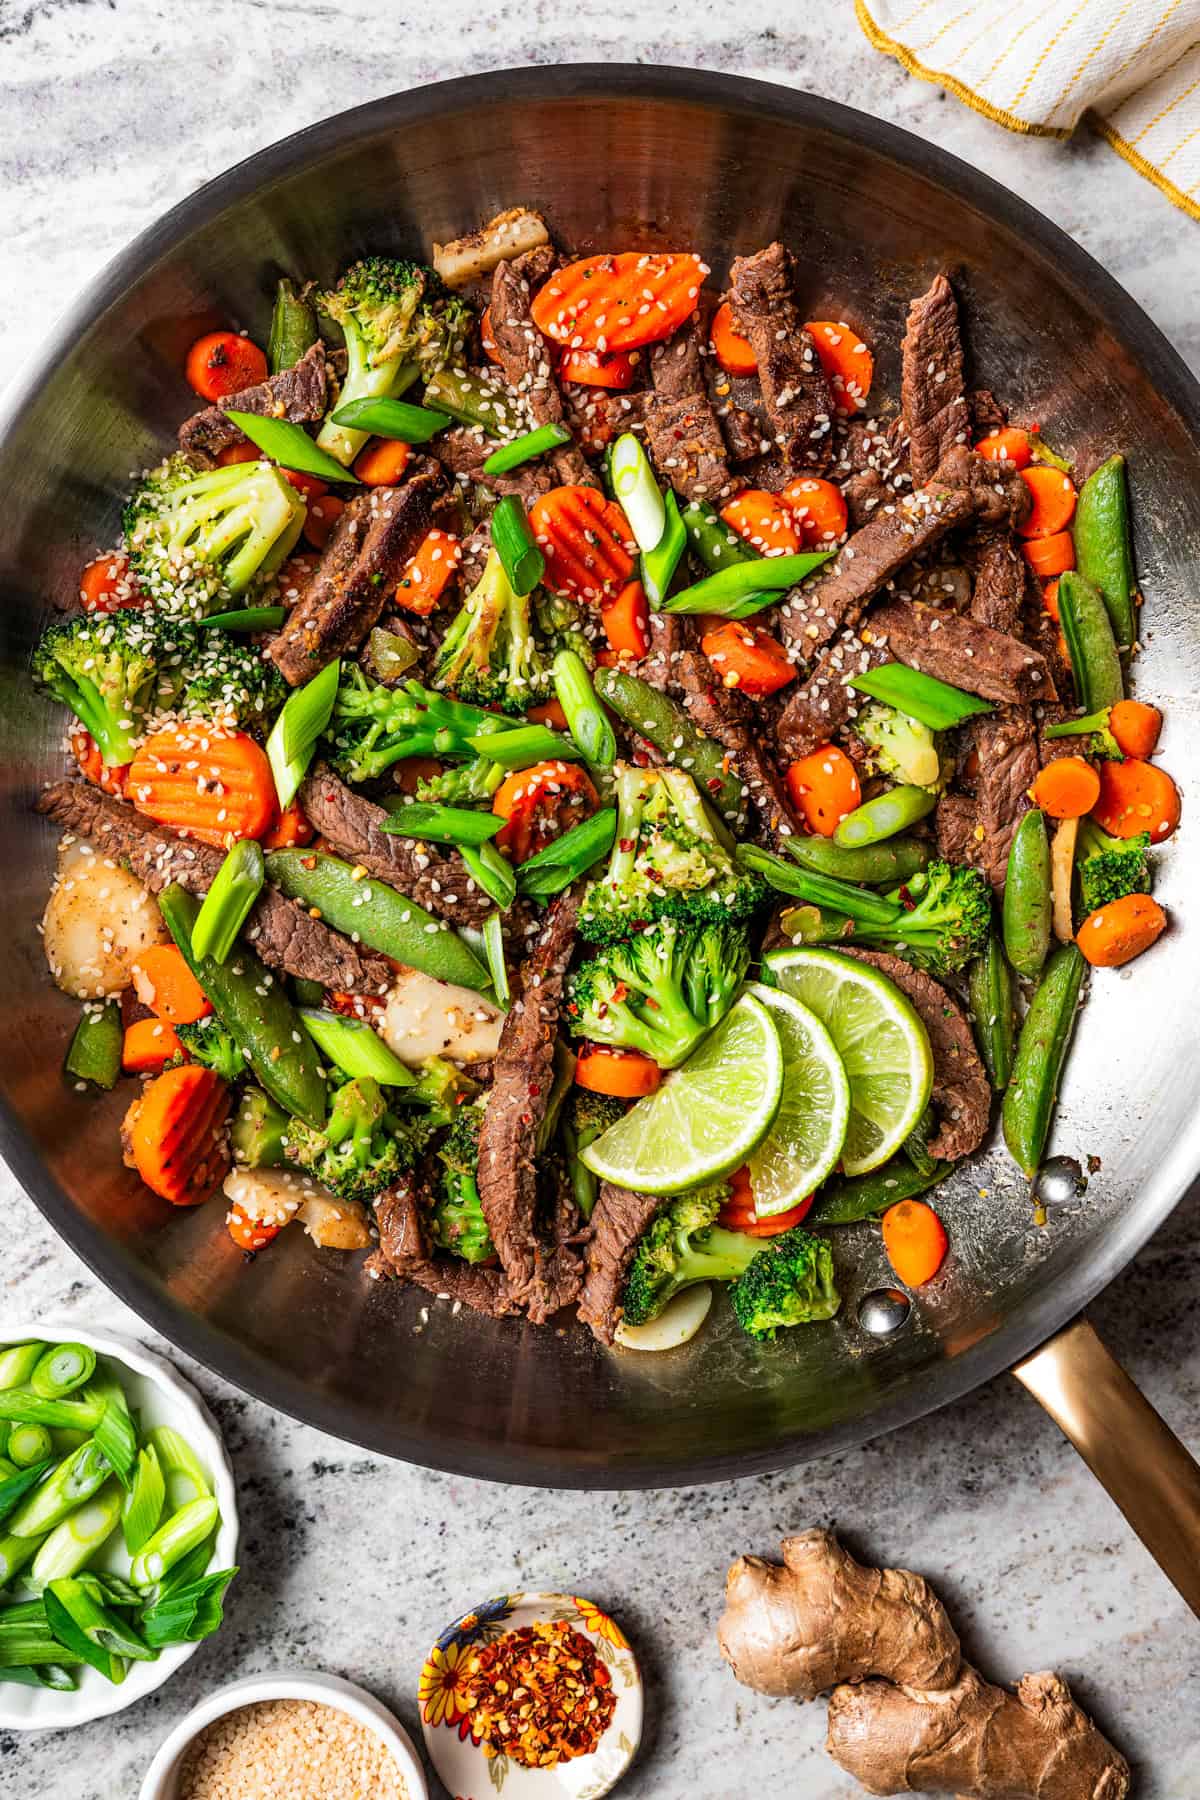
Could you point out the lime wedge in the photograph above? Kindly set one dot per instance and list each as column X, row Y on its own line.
column 806, row 1138
column 880, row 1039
column 706, row 1117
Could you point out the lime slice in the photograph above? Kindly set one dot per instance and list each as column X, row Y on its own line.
column 880, row 1039
column 806, row 1139
column 706, row 1117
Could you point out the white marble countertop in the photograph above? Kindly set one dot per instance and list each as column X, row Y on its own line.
column 111, row 110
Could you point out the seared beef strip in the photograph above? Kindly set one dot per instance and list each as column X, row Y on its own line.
column 864, row 492
column 957, row 650
column 525, row 355
column 986, row 412
column 683, row 434
column 541, row 1277
column 999, row 580
column 962, row 1096
column 796, row 396
column 1000, row 496
column 404, row 1255
column 956, row 820
column 281, row 932
column 463, row 451
column 722, row 713
column 670, row 636
column 618, row 1221
column 353, row 826
column 932, row 398
column 1006, row 752
column 824, row 704
column 358, row 572
column 297, row 394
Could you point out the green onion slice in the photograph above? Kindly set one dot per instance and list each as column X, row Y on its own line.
column 306, row 713
column 185, row 1476
column 637, row 491
column 556, row 866
column 493, row 949
column 181, row 1533
column 62, row 1369
column 515, row 545
column 659, row 565
column 289, row 445
column 392, row 419
column 526, row 745
column 17, row 1364
column 442, row 824
column 246, row 618
column 143, row 1504
column 188, row 1613
column 587, row 719
column 228, row 902
column 29, row 1444
column 355, row 1048
column 744, row 581
column 524, row 448
column 492, row 873
column 922, row 697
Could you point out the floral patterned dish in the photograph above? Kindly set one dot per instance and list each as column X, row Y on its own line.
column 458, row 1756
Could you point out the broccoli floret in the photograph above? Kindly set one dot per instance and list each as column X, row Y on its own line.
column 363, row 1148
column 228, row 679
column 105, row 667
column 373, row 726
column 489, row 656
column 789, row 1282
column 661, row 990
column 439, row 1092
column 399, row 321
column 258, row 1135
column 563, row 624
column 464, row 784
column 940, row 921
column 669, row 860
column 1110, row 867
column 208, row 1042
column 199, row 538
column 681, row 1246
column 901, row 748
column 584, row 1118
column 457, row 1223
column 1101, row 745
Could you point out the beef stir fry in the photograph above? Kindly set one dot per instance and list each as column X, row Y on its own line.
column 578, row 795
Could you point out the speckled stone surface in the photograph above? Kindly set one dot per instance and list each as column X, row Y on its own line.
column 110, row 112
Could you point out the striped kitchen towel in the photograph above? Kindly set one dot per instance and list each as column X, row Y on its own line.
column 1132, row 67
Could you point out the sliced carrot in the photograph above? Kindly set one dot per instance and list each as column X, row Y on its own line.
column 818, row 511
column 824, row 788
column 1121, row 930
column 288, row 828
column 164, row 983
column 619, row 302
column 107, row 585
column 175, row 1133
column 625, row 1074
column 1067, row 788
column 247, row 1233
column 848, row 364
column 148, row 1045
column 586, row 540
column 223, row 363
column 1136, row 726
column 626, row 620
column 595, row 368
column 321, row 518
column 238, row 453
column 428, row 572
column 731, row 349
column 540, row 803
column 738, row 1213
column 382, row 463
column 487, row 337
column 1009, row 445
column 1053, row 496
column 1050, row 555
column 214, row 785
column 311, row 486
column 764, row 521
column 915, row 1240
column 548, row 712
column 748, row 659
column 1050, row 598
column 93, row 766
column 1137, row 796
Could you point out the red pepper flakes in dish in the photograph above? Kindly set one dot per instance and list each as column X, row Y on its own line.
column 539, row 1694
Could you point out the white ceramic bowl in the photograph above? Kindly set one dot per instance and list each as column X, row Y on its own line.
column 161, row 1782
column 160, row 1396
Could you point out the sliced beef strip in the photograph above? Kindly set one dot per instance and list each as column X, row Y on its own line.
column 353, row 826
column 282, row 933
column 723, row 714
column 956, row 819
column 932, row 397
column 967, row 655
column 999, row 585
column 962, row 1096
column 1000, row 496
column 542, row 1277
column 670, row 635
column 404, row 1255
column 683, row 432
column 618, row 1221
column 476, row 548
column 819, row 709
column 864, row 492
column 463, row 451
column 298, row 394
column 525, row 356
column 796, row 396
column 986, row 412
column 361, row 564
column 1006, row 752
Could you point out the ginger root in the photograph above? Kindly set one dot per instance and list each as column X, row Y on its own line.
column 906, row 1714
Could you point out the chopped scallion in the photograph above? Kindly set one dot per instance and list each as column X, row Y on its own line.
column 442, row 824
column 919, row 696
column 491, row 873
column 355, row 1048
column 745, row 581
column 637, row 491
column 246, row 618
column 525, row 448
column 305, row 714
column 493, row 949
column 659, row 565
column 526, row 745
column 289, row 445
column 397, row 419
column 61, row 1369
column 587, row 719
column 228, row 902
column 554, row 868
column 516, row 546
column 143, row 1504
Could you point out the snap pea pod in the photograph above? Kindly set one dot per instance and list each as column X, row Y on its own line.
column 935, row 703
column 665, row 725
column 1041, row 1052
column 372, row 913
column 990, row 995
column 1027, row 896
column 94, row 1055
column 839, row 898
column 711, row 540
column 1103, row 545
column 887, row 864
column 1095, row 660
column 253, row 1005
column 293, row 327
column 883, row 816
column 857, row 1197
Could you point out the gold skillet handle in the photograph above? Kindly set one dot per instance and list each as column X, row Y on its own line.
column 1129, row 1448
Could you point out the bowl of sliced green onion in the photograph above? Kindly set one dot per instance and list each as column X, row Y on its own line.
column 118, row 1525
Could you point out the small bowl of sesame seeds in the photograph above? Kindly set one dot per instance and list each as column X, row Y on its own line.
column 293, row 1736
column 539, row 1694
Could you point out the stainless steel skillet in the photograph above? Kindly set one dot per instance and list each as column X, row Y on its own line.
column 617, row 155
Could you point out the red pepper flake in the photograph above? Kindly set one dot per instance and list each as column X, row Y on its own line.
column 539, row 1694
